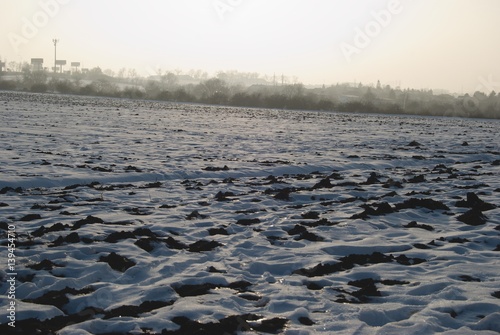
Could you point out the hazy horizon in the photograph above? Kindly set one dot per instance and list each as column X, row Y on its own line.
column 423, row 45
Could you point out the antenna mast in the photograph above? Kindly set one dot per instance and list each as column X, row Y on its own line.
column 55, row 54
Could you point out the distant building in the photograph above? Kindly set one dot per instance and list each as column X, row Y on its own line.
column 75, row 66
column 60, row 63
column 2, row 65
column 36, row 64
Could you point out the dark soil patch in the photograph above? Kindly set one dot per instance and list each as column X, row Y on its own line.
column 88, row 220
column 117, row 262
column 247, row 222
column 425, row 203
column 44, row 265
column 55, row 227
column 59, row 298
column 135, row 311
column 473, row 217
column 202, row 289
column 30, row 217
column 414, row 224
column 202, row 245
column 230, row 325
column 348, row 262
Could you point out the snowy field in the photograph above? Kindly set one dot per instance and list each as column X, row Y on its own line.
column 139, row 217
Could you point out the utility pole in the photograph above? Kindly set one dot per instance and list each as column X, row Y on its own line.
column 55, row 54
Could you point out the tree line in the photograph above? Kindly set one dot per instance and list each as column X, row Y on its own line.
column 250, row 90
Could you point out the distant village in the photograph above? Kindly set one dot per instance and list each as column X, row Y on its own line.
column 243, row 89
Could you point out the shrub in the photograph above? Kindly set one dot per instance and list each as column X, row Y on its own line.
column 132, row 93
column 39, row 88
column 64, row 86
column 8, row 85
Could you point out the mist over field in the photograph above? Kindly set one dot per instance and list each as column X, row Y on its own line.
column 420, row 46
column 251, row 90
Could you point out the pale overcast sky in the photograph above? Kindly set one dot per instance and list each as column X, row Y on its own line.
column 450, row 44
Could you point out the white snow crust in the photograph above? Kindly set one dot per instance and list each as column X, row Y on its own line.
column 151, row 164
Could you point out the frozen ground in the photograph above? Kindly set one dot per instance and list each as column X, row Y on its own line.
column 136, row 217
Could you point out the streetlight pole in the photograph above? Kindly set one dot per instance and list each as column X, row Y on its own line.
column 55, row 54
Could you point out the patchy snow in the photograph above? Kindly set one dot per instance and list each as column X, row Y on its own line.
column 202, row 213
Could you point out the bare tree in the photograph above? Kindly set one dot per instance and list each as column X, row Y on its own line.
column 109, row 72
column 121, row 72
column 170, row 79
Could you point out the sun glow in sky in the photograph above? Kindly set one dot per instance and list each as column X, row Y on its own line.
column 449, row 44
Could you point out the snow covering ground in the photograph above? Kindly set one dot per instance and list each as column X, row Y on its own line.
column 140, row 217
